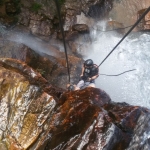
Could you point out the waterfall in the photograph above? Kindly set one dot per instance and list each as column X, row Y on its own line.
column 132, row 53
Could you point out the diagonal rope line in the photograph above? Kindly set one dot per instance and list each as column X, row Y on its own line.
column 63, row 36
column 146, row 11
column 119, row 73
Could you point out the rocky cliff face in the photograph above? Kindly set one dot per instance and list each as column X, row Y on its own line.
column 41, row 17
column 37, row 116
column 36, row 25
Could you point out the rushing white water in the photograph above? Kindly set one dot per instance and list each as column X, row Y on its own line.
column 133, row 53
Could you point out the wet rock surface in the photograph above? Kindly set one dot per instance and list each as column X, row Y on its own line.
column 38, row 116
column 82, row 28
column 40, row 19
column 50, row 67
column 35, row 112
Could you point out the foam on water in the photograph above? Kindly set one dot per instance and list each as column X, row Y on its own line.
column 133, row 53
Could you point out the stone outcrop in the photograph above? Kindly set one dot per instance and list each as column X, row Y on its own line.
column 24, row 105
column 38, row 116
column 40, row 16
column 114, row 25
column 94, row 9
column 41, row 19
column 37, row 113
column 144, row 25
column 50, row 67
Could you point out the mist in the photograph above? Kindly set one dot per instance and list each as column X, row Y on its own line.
column 33, row 42
column 133, row 53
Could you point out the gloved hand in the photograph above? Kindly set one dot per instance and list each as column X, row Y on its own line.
column 83, row 78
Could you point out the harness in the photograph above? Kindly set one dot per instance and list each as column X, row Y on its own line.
column 89, row 72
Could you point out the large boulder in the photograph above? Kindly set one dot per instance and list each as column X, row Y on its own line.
column 36, row 116
column 24, row 105
column 53, row 68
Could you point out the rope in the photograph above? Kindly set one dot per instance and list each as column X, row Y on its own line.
column 62, row 31
column 119, row 73
column 147, row 10
column 63, row 36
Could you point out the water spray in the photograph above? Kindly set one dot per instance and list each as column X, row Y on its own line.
column 133, row 26
column 136, row 23
column 62, row 31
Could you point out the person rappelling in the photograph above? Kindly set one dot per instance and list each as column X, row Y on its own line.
column 90, row 72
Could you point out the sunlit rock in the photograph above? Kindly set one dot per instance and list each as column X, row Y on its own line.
column 81, row 28
column 24, row 105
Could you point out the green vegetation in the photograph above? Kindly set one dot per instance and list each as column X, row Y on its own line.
column 35, row 7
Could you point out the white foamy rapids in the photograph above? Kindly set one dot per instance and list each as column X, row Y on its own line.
column 133, row 53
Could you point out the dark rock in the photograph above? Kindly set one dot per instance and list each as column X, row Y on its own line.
column 140, row 139
column 81, row 28
column 73, row 47
column 11, row 8
column 69, row 35
column 98, row 9
column 124, row 115
column 50, row 67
